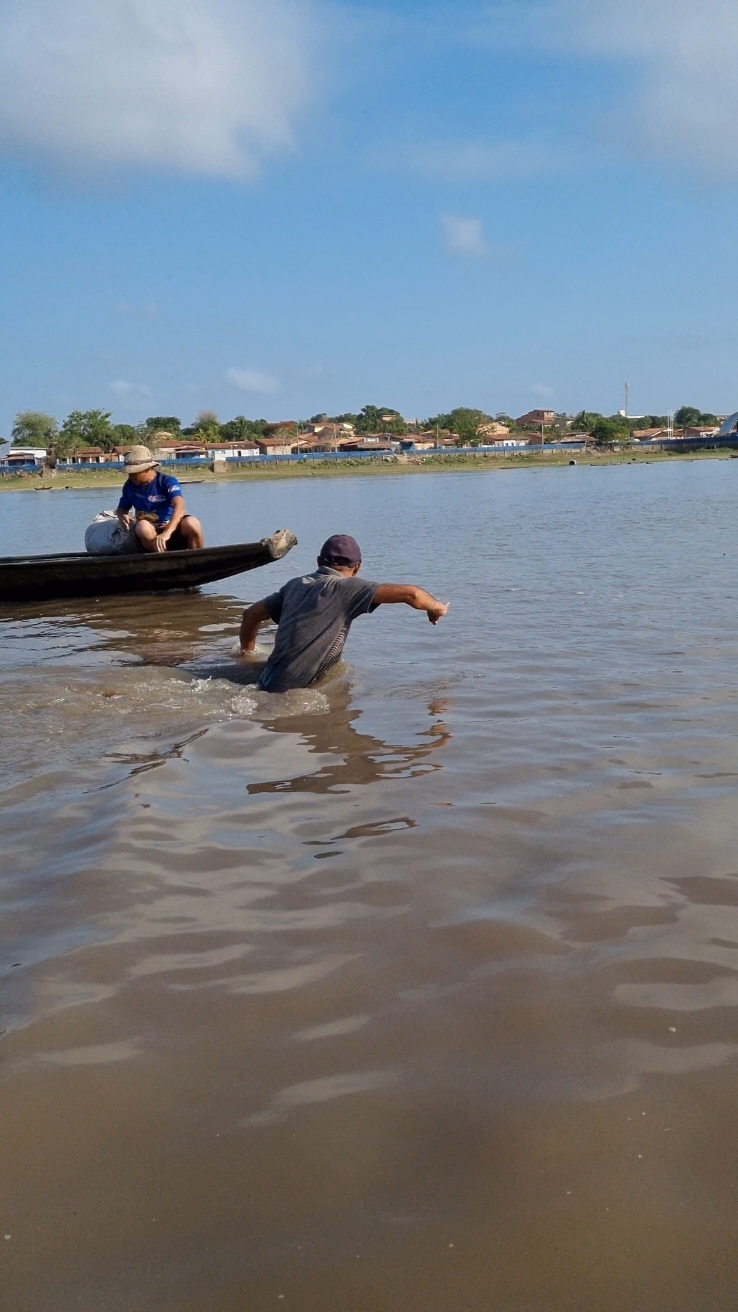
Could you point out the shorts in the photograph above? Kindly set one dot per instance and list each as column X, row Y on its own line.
column 177, row 542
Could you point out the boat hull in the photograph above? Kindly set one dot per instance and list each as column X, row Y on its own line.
column 54, row 578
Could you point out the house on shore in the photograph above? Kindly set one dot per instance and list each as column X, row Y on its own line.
column 330, row 428
column 285, row 445
column 537, row 419
column 178, row 449
column 323, row 435
column 92, row 455
column 233, row 451
column 19, row 456
column 506, row 443
column 369, row 442
column 648, row 434
column 492, row 431
column 419, row 442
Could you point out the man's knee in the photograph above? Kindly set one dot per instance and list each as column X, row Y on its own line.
column 192, row 529
column 146, row 535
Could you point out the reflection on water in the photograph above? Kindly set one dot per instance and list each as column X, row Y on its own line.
column 415, row 990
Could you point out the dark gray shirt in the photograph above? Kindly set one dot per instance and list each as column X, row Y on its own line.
column 314, row 614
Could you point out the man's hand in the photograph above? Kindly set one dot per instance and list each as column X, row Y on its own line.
column 437, row 611
column 161, row 540
column 126, row 520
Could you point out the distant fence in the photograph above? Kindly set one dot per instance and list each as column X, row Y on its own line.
column 190, row 463
column 242, row 462
column 729, row 443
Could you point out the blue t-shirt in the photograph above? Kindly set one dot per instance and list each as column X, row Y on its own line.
column 151, row 500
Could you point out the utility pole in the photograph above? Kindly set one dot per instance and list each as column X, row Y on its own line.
column 627, row 399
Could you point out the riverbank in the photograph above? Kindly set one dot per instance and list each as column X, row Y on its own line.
column 411, row 464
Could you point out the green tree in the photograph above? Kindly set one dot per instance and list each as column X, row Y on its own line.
column 206, row 426
column 606, row 431
column 648, row 421
column 347, row 418
column 125, row 435
column 603, row 430
column 688, row 416
column 585, row 421
column 84, row 428
column 242, row 429
column 34, row 428
column 164, row 424
column 464, row 423
column 369, row 420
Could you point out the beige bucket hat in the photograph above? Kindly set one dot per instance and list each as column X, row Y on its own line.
column 138, row 459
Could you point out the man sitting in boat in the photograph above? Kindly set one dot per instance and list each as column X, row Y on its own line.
column 159, row 512
column 314, row 613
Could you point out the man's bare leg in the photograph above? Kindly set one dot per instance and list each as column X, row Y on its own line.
column 191, row 531
column 146, row 534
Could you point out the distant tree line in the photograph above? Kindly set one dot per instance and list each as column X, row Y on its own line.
column 617, row 428
column 372, row 419
column 94, row 428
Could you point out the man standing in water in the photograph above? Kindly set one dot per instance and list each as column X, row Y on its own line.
column 314, row 613
column 160, row 516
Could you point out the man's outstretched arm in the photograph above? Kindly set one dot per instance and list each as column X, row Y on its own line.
column 253, row 618
column 418, row 598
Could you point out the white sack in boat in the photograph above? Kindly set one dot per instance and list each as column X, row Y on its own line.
column 106, row 536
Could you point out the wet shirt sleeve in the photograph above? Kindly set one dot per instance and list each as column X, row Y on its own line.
column 273, row 605
column 359, row 597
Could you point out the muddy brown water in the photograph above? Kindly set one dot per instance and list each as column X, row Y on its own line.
column 418, row 990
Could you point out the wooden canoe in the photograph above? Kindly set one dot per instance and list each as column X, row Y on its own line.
column 51, row 578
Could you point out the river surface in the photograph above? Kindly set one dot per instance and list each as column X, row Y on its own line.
column 416, row 991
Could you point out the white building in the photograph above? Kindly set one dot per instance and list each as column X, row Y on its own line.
column 233, row 451
column 21, row 456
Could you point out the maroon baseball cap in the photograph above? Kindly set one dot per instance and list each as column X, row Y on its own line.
column 340, row 550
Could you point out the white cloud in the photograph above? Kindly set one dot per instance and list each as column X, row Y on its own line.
column 204, row 87
column 252, row 380
column 470, row 161
column 129, row 391
column 464, row 238
column 686, row 107
column 682, row 104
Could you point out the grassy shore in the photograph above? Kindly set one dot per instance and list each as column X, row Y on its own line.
column 420, row 464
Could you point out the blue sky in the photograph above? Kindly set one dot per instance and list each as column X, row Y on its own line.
column 274, row 208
